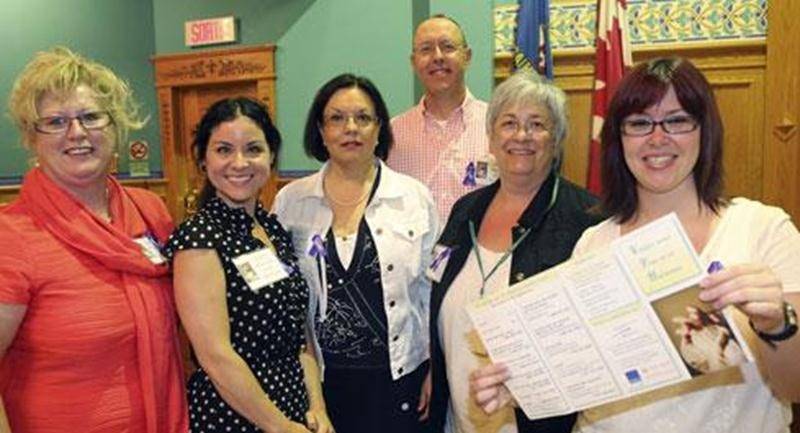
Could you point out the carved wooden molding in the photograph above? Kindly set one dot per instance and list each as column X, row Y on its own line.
column 211, row 66
column 785, row 130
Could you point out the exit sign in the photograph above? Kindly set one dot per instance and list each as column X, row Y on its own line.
column 210, row 31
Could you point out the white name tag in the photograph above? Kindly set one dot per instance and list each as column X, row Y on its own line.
column 439, row 258
column 150, row 250
column 485, row 170
column 260, row 268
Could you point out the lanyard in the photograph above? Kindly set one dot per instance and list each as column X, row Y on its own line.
column 485, row 277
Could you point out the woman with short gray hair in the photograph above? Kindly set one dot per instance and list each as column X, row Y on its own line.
column 524, row 223
column 531, row 87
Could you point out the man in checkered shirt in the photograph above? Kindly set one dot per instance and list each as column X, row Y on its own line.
column 442, row 141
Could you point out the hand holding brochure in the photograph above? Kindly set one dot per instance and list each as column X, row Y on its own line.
column 608, row 325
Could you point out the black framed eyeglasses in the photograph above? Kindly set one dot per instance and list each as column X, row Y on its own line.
column 91, row 120
column 641, row 126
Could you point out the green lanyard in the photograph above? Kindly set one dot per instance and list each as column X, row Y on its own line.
column 485, row 277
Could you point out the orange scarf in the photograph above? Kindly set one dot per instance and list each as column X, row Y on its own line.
column 146, row 285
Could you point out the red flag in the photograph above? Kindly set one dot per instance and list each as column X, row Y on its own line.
column 612, row 56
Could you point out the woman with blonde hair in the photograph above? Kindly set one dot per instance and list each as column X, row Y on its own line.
column 88, row 338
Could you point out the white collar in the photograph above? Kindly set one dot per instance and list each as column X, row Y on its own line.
column 389, row 186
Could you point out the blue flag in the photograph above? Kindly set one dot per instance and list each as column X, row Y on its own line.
column 533, row 37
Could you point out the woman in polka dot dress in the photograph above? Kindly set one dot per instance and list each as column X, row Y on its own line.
column 238, row 290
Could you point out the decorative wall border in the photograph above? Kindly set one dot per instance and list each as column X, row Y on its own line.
column 651, row 22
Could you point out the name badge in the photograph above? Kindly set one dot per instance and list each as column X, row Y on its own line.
column 485, row 170
column 150, row 249
column 441, row 255
column 260, row 268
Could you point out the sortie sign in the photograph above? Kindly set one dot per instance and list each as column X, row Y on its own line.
column 210, row 31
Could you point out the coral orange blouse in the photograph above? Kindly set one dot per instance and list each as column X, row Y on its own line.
column 97, row 349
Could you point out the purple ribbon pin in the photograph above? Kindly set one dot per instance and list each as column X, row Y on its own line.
column 317, row 249
column 442, row 256
column 469, row 177
column 287, row 267
column 715, row 266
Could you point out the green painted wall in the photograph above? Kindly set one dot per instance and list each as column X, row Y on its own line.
column 260, row 21
column 117, row 33
column 316, row 40
column 475, row 17
column 319, row 39
column 366, row 37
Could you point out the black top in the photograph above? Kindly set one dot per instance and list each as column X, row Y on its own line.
column 557, row 217
column 267, row 328
column 353, row 335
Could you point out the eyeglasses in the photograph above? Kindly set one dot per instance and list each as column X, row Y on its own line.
column 641, row 126
column 340, row 120
column 510, row 127
column 59, row 124
column 446, row 47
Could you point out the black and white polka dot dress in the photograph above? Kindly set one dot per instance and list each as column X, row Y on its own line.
column 267, row 328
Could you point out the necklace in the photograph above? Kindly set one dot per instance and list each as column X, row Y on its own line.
column 344, row 203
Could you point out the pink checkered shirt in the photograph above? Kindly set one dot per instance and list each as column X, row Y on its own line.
column 441, row 154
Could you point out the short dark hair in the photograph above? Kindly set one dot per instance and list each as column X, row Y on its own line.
column 223, row 111
column 643, row 86
column 312, row 140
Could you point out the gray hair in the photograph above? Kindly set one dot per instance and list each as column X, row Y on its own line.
column 529, row 87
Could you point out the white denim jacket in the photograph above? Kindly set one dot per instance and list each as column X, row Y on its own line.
column 403, row 222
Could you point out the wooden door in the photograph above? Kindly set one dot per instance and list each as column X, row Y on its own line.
column 192, row 104
column 187, row 84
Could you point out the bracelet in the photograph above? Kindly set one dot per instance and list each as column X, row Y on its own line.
column 788, row 331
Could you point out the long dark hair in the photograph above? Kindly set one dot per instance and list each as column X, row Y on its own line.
column 223, row 111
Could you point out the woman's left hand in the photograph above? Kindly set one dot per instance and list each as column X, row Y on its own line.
column 423, row 408
column 318, row 422
column 753, row 288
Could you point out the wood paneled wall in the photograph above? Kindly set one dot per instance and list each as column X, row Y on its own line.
column 782, row 109
column 735, row 71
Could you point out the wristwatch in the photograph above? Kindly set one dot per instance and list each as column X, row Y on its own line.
column 789, row 327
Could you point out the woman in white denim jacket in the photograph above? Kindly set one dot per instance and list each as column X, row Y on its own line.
column 363, row 235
